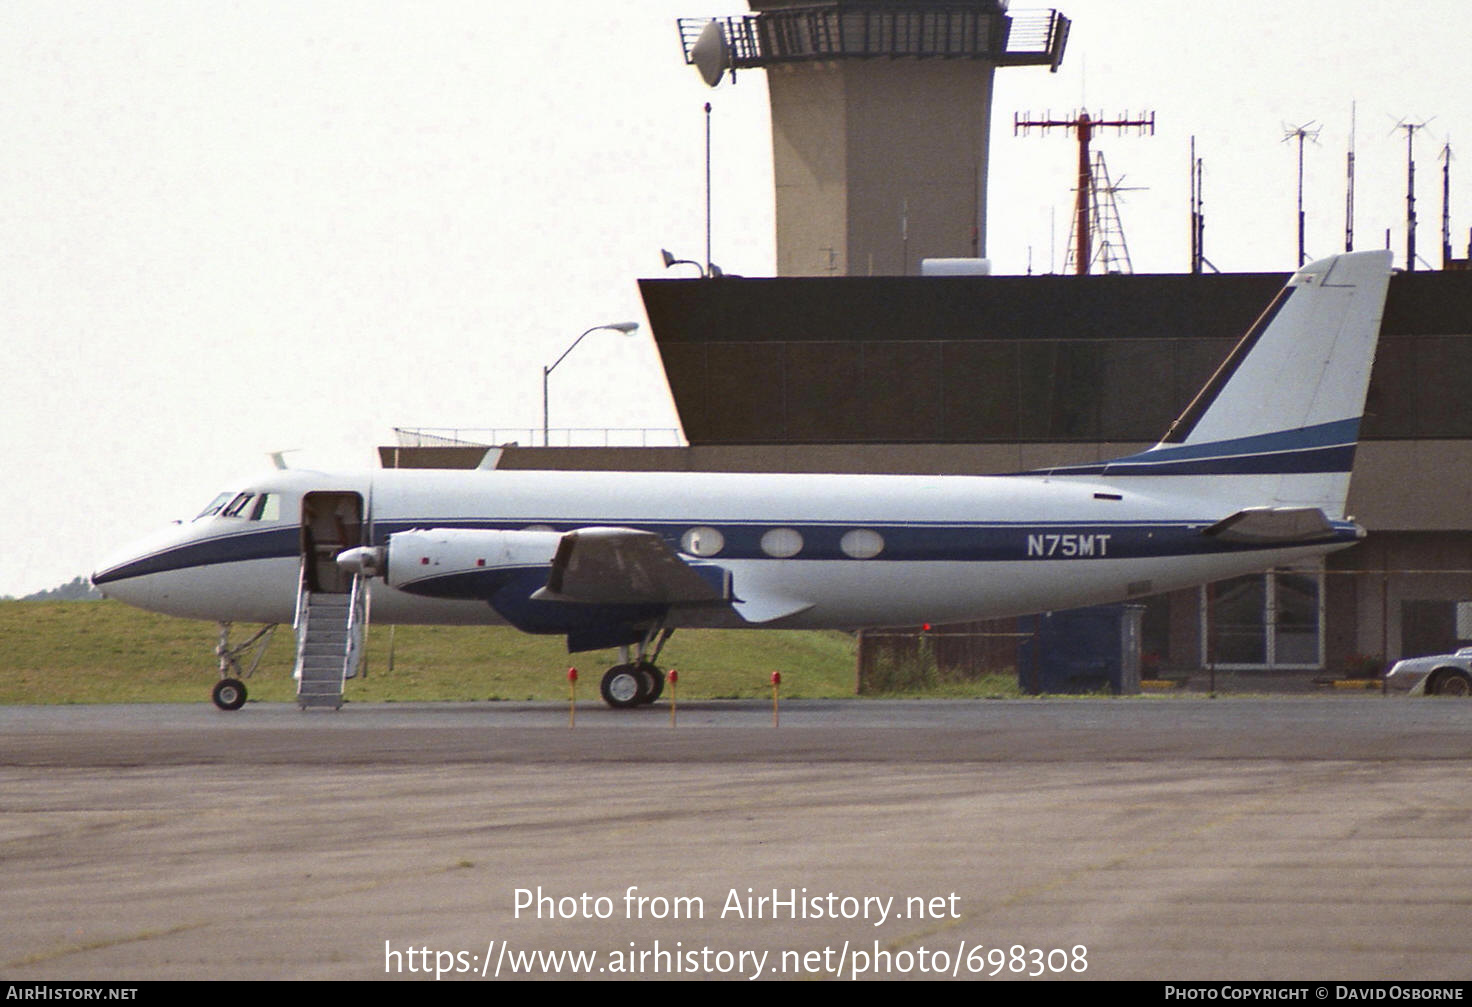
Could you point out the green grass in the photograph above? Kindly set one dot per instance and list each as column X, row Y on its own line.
column 987, row 686
column 106, row 652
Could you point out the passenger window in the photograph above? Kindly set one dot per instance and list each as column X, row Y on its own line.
column 861, row 543
column 702, row 541
column 782, row 542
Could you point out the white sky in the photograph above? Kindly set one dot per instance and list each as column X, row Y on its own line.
column 230, row 229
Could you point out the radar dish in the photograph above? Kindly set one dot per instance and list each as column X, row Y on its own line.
column 710, row 53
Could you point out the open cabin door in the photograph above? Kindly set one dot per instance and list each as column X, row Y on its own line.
column 332, row 603
column 332, row 521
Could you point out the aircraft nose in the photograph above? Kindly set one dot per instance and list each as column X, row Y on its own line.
column 127, row 574
column 114, row 579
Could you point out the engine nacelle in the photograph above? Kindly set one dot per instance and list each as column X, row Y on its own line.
column 510, row 571
column 459, row 561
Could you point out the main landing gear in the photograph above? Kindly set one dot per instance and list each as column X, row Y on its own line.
column 229, row 691
column 637, row 682
column 634, row 684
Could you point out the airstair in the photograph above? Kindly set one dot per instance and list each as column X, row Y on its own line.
column 329, row 642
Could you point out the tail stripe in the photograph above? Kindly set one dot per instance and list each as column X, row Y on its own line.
column 1324, row 447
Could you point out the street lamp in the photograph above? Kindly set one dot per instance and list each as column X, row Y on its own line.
column 625, row 327
column 670, row 260
column 710, row 269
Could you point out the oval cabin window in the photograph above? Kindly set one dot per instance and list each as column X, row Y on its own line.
column 861, row 543
column 702, row 542
column 782, row 542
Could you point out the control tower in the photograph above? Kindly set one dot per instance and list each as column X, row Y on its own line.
column 881, row 112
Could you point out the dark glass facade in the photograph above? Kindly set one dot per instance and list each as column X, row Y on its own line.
column 1014, row 359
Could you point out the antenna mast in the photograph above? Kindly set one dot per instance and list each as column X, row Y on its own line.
column 1196, row 222
column 1410, row 128
column 707, row 187
column 1446, row 205
column 1084, row 125
column 1349, row 185
column 1198, row 214
column 1307, row 131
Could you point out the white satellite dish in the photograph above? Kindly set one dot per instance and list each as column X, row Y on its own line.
column 710, row 54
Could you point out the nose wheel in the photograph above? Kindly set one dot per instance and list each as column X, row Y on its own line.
column 629, row 685
column 228, row 694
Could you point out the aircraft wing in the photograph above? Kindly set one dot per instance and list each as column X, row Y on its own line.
column 624, row 566
column 1259, row 525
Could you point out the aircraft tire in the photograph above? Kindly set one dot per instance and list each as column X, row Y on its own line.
column 623, row 687
column 228, row 694
column 655, row 684
column 1450, row 682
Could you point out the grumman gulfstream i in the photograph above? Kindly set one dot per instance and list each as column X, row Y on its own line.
column 1254, row 474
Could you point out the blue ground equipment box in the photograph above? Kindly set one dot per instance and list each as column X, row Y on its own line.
column 1081, row 650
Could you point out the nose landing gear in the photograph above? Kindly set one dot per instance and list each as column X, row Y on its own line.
column 229, row 691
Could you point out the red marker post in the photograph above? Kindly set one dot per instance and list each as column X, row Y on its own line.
column 572, row 697
column 776, row 685
column 672, row 678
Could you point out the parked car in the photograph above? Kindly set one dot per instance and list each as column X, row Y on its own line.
column 1438, row 675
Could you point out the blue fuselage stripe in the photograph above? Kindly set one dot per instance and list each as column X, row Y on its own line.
column 992, row 542
column 268, row 543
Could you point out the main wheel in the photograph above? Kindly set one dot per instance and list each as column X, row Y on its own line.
column 1450, row 682
column 624, row 686
column 228, row 694
column 654, row 678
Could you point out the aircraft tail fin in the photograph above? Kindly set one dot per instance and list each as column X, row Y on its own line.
column 1304, row 364
column 1279, row 420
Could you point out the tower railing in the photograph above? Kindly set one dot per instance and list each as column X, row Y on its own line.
column 644, row 437
column 912, row 30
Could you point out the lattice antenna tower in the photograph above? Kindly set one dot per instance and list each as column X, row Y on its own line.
column 1083, row 125
column 1111, row 252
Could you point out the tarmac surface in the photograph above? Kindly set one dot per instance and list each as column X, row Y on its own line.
column 1169, row 838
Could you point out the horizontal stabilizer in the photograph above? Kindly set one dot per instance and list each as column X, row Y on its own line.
column 1263, row 525
column 621, row 566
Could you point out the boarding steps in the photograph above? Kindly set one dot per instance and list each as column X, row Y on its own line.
column 329, row 643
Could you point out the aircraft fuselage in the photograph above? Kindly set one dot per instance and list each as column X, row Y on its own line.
column 834, row 551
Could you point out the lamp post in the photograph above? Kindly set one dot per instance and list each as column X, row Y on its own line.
column 625, row 327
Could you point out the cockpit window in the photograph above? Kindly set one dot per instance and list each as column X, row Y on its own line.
column 245, row 506
column 215, row 505
column 237, row 505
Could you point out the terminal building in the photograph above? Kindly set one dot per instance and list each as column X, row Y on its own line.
column 848, row 362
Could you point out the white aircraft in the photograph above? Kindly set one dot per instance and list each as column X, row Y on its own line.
column 1253, row 475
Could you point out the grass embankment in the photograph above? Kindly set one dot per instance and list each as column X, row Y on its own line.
column 106, row 652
